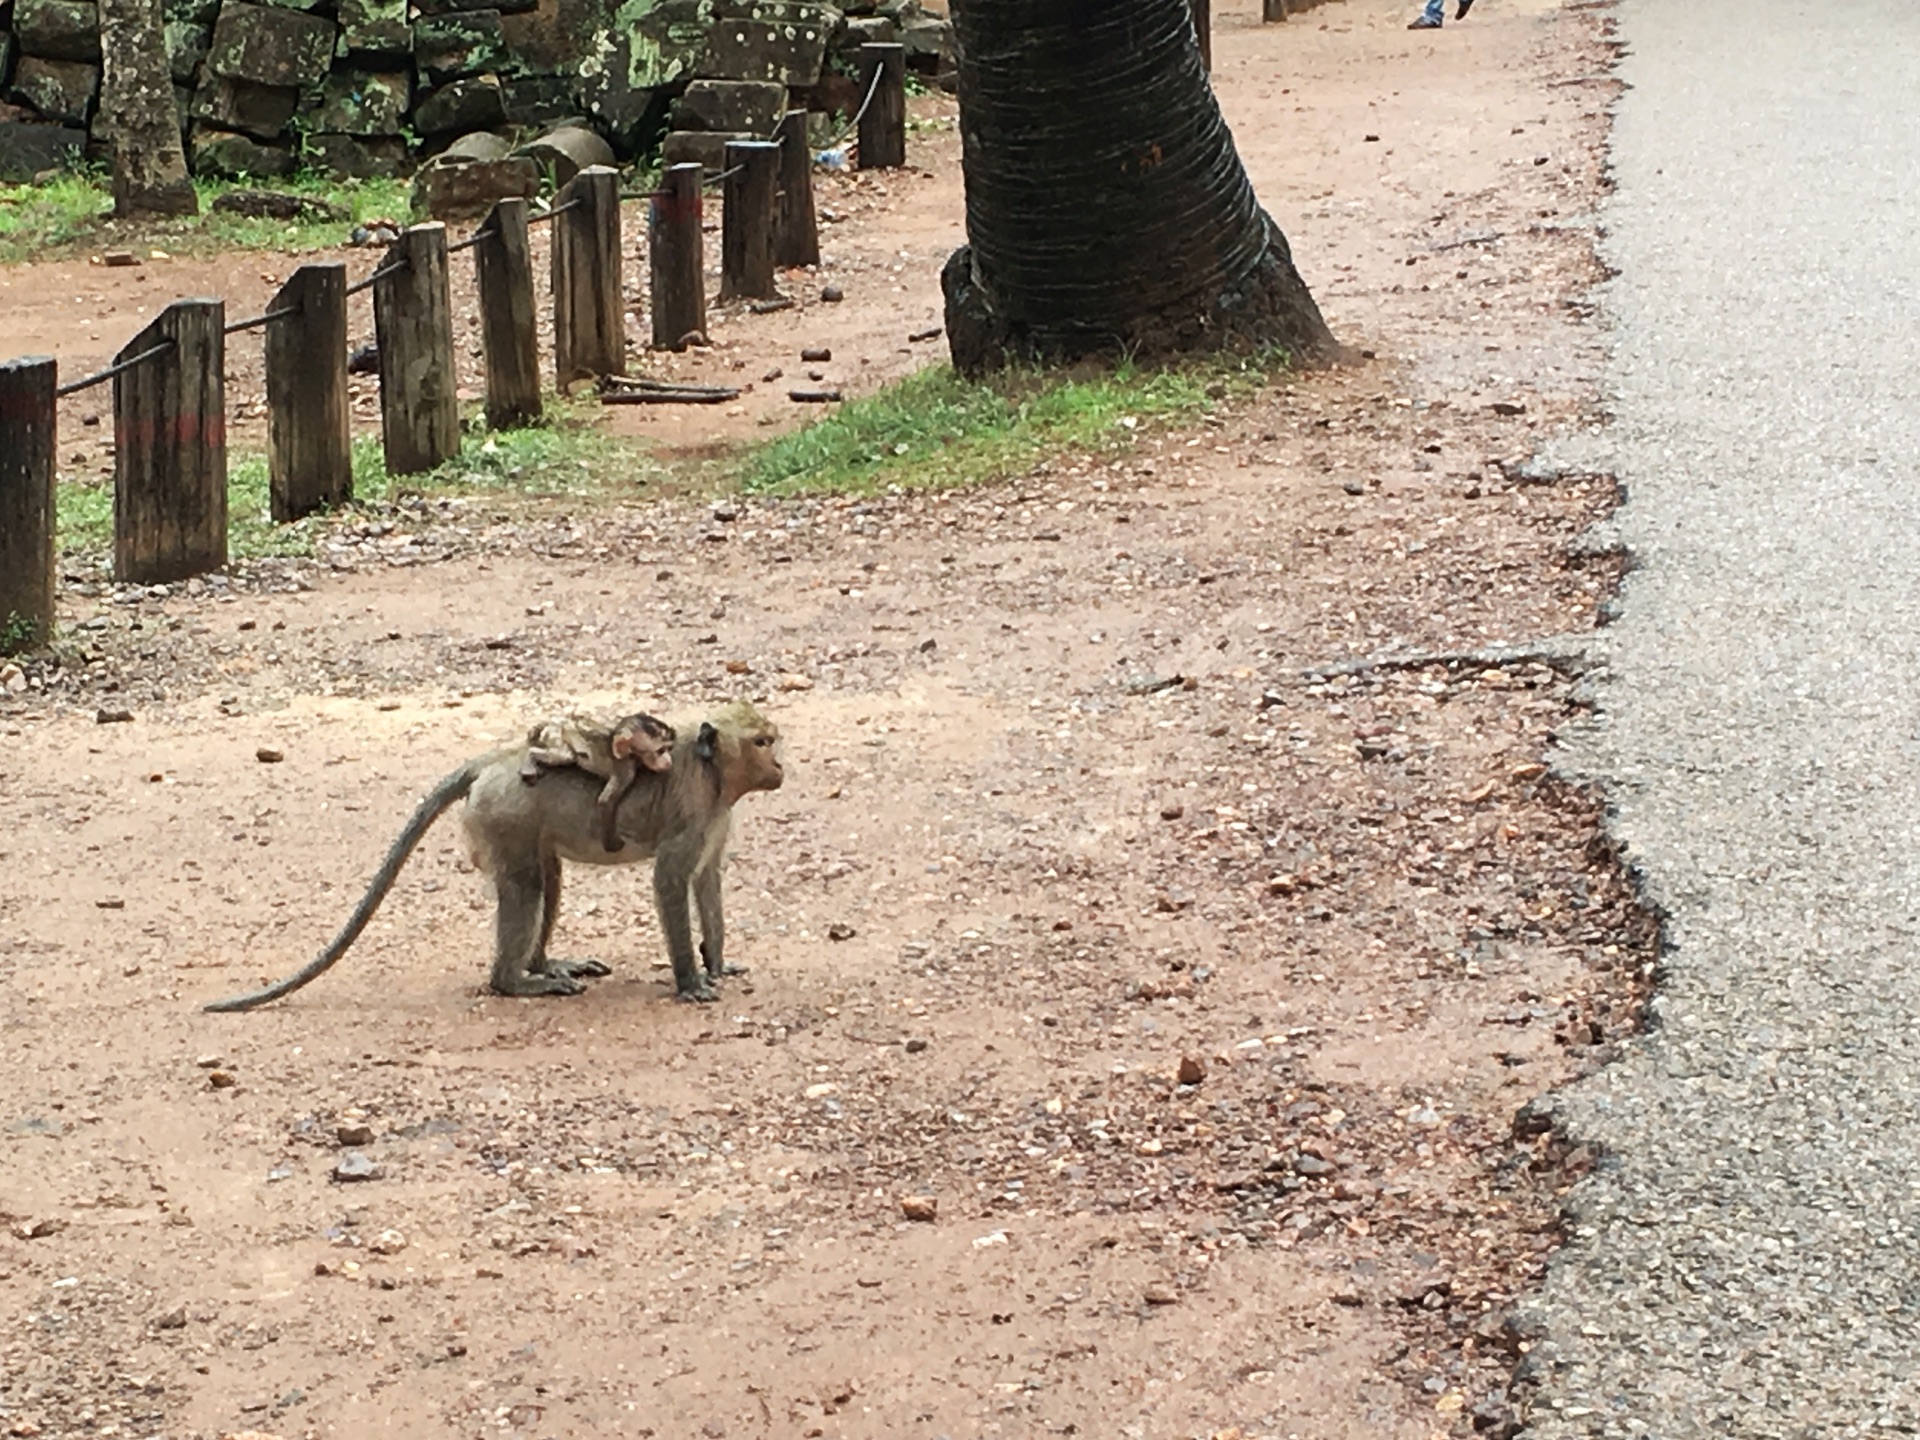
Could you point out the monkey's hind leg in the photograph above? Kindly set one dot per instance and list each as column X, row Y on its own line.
column 543, row 963
column 607, row 811
column 517, row 934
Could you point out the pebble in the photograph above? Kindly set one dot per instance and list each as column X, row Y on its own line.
column 816, row 353
column 269, row 757
column 174, row 1319
column 220, row 1079
column 833, row 294
column 353, row 1135
column 353, row 1166
column 112, row 717
column 1160, row 1295
column 388, row 1242
column 920, row 1207
column 915, row 1044
column 1192, row 1070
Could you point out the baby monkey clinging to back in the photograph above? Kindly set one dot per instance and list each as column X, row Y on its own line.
column 617, row 752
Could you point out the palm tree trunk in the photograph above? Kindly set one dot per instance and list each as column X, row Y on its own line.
column 136, row 97
column 1107, row 208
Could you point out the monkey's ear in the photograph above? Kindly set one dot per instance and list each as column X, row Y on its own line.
column 622, row 747
column 703, row 743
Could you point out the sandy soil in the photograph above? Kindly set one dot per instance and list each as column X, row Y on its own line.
column 1066, row 821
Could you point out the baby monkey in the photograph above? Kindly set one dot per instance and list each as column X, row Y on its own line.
column 617, row 752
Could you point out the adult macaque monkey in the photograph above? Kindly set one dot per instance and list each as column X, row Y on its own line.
column 519, row 834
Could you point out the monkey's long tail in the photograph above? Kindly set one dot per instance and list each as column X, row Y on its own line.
column 439, row 799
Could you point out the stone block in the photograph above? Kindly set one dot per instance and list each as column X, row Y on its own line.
column 707, row 147
column 376, row 27
column 630, row 113
column 448, row 47
column 540, row 100
column 58, row 90
column 227, row 156
column 365, row 102
column 651, row 43
column 567, row 151
column 929, row 43
column 480, row 146
column 265, row 45
column 358, row 157
column 787, row 52
column 58, row 29
column 749, row 107
column 261, row 111
column 29, row 148
column 472, row 104
column 187, row 45
column 462, row 189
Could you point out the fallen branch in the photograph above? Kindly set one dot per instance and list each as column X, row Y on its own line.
column 1569, row 654
column 623, row 390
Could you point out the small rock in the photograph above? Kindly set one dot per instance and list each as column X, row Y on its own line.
column 220, row 1079
column 1508, row 407
column 269, row 757
column 38, row 1229
column 1192, row 1070
column 816, row 353
column 1354, row 487
column 354, row 1135
column 792, row 682
column 1172, row 812
column 112, row 717
column 1349, row 1297
column 915, row 1044
column 739, row 667
column 1160, row 1295
column 174, row 1319
column 1312, row 1165
column 353, row 1166
column 833, row 294
column 840, row 932
column 13, row 679
column 920, row 1207
column 387, row 1242
column 213, row 1060
column 119, row 259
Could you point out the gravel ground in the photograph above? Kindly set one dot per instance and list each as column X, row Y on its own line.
column 1742, row 1261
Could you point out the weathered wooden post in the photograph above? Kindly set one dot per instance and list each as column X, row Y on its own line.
column 796, row 236
column 674, row 252
column 883, row 124
column 413, row 326
column 309, row 440
column 1272, row 10
column 589, row 331
column 503, row 264
column 170, row 446
column 749, row 199
column 27, row 557
column 1203, row 29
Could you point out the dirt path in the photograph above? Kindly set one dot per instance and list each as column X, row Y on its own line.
column 1017, row 885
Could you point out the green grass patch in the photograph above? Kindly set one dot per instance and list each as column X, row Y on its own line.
column 74, row 211
column 566, row 458
column 936, row 429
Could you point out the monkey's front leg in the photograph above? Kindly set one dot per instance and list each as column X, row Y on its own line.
column 672, row 874
column 518, row 926
column 713, row 921
column 543, row 963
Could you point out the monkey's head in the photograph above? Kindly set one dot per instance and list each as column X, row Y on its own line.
column 646, row 741
column 743, row 746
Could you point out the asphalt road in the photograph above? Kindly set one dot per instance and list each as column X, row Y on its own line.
column 1747, row 1264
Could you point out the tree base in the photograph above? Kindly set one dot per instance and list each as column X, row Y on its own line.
column 1270, row 309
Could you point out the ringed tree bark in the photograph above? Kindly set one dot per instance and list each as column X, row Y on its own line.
column 136, row 97
column 1107, row 209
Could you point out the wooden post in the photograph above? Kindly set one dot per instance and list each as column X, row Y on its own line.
column 27, row 557
column 170, row 447
column 1272, row 10
column 413, row 326
column 883, row 128
column 1203, row 30
column 309, row 441
column 674, row 251
column 589, row 328
column 503, row 263
column 796, row 236
column 750, row 197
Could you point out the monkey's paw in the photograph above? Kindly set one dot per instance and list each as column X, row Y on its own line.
column 573, row 969
column 530, row 985
column 702, row 994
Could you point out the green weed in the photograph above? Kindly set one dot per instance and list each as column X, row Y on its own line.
column 74, row 211
column 935, row 429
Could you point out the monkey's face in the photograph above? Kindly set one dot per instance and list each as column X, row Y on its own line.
column 760, row 760
column 646, row 741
